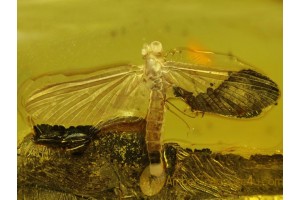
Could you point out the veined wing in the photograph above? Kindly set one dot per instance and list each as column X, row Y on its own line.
column 85, row 99
column 218, row 83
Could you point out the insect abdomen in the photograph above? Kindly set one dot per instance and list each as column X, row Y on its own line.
column 154, row 127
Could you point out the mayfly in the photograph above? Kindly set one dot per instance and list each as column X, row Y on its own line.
column 214, row 83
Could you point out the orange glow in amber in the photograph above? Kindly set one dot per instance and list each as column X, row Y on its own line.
column 198, row 55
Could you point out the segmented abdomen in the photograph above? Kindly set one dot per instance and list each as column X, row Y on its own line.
column 155, row 118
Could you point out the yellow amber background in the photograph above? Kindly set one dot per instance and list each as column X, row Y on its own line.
column 55, row 35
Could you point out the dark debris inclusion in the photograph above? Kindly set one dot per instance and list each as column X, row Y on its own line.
column 73, row 138
column 114, row 159
column 243, row 95
column 116, row 139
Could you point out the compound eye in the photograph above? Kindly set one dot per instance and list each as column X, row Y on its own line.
column 145, row 49
column 156, row 47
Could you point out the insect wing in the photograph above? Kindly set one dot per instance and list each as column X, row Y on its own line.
column 219, row 84
column 85, row 99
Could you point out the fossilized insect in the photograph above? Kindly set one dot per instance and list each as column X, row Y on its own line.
column 222, row 85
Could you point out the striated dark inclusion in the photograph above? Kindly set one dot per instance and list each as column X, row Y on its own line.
column 243, row 95
column 74, row 139
column 112, row 162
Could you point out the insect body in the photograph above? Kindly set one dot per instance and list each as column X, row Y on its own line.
column 223, row 85
column 154, row 77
